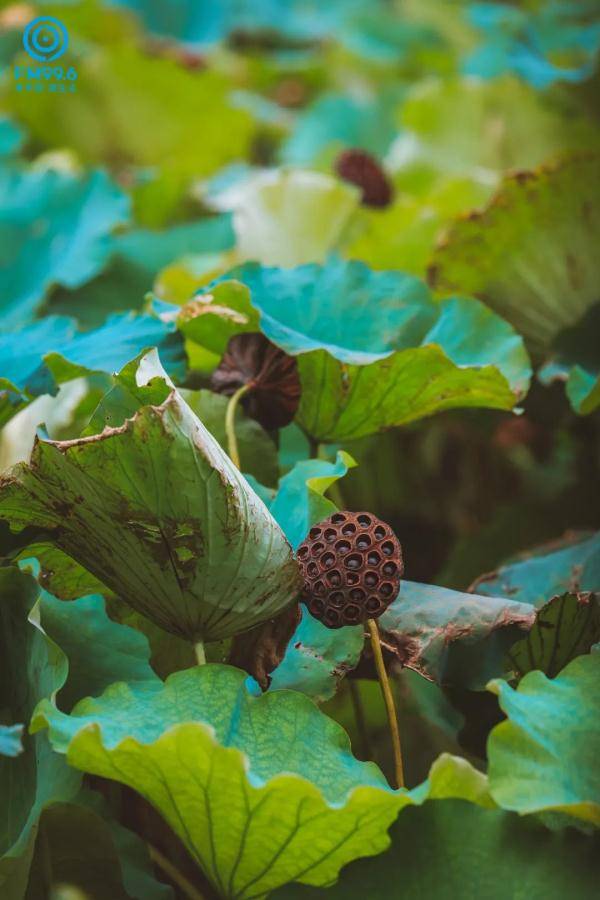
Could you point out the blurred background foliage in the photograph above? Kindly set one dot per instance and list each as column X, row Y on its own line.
column 202, row 135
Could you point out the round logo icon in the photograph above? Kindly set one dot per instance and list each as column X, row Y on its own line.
column 45, row 39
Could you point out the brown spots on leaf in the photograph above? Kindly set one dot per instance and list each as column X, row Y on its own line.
column 204, row 306
column 405, row 649
column 524, row 175
column 63, row 508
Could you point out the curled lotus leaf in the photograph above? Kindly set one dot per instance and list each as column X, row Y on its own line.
column 155, row 510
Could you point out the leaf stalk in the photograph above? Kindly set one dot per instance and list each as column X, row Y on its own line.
column 232, row 444
column 200, row 653
column 388, row 697
column 178, row 878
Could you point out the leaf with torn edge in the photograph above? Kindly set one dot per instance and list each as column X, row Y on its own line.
column 451, row 637
column 154, row 508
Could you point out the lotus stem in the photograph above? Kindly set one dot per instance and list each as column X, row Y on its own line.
column 232, row 444
column 388, row 697
column 359, row 718
column 185, row 886
column 200, row 653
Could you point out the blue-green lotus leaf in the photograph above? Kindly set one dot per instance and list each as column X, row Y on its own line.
column 544, row 756
column 136, row 257
column 527, row 42
column 451, row 637
column 261, row 788
column 376, row 350
column 48, row 352
column 550, row 570
column 11, row 137
column 11, row 740
column 194, row 24
column 54, row 229
column 337, row 121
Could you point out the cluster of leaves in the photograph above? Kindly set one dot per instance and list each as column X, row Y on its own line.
column 178, row 230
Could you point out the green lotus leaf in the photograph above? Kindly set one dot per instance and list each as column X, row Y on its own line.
column 179, row 533
column 291, row 217
column 375, row 350
column 258, row 454
column 317, row 658
column 11, row 401
column 11, row 740
column 120, row 84
column 60, row 414
column 31, row 667
column 141, row 382
column 282, row 797
column 442, row 851
column 566, row 627
column 81, row 845
column 257, row 450
column 505, row 124
column 544, row 756
column 54, row 229
column 51, row 351
column 451, row 637
column 62, row 651
column 57, row 572
column 531, row 253
column 404, row 235
column 212, row 317
column 134, row 858
column 568, row 566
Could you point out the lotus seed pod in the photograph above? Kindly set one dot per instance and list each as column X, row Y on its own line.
column 363, row 170
column 272, row 375
column 351, row 564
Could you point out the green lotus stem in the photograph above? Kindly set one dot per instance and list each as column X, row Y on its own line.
column 200, row 653
column 232, row 445
column 359, row 718
column 185, row 886
column 388, row 697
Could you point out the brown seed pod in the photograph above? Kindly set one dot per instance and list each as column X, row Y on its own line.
column 363, row 170
column 273, row 376
column 351, row 564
